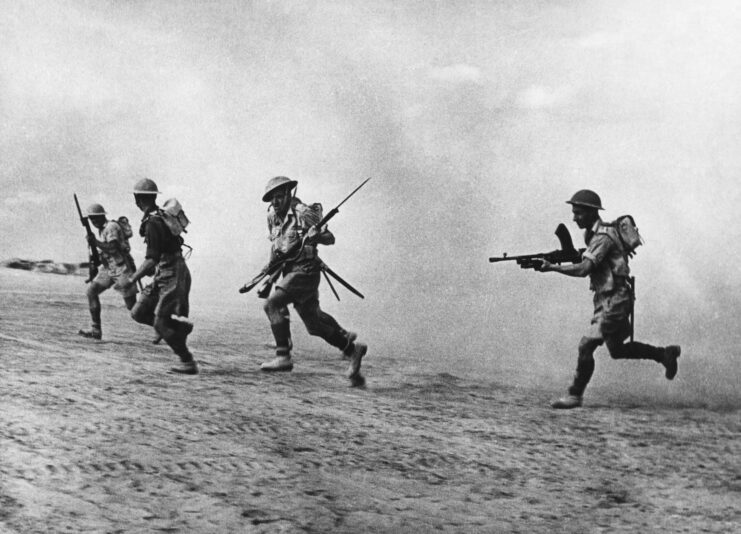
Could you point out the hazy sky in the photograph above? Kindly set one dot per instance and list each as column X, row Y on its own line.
column 476, row 120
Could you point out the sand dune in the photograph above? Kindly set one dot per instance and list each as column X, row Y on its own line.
column 97, row 437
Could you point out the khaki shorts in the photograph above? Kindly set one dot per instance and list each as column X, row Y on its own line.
column 611, row 314
column 169, row 292
column 111, row 277
column 300, row 286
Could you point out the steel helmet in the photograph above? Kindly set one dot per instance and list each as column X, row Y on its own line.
column 145, row 186
column 587, row 198
column 95, row 210
column 277, row 183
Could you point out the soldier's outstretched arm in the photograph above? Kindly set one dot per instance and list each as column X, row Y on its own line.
column 581, row 269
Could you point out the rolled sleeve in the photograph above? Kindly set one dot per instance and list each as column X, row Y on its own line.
column 599, row 248
column 112, row 233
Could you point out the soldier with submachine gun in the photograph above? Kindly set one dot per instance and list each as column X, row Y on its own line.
column 566, row 254
column 605, row 261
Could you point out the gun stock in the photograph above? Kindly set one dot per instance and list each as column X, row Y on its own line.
column 256, row 280
column 267, row 286
column 93, row 257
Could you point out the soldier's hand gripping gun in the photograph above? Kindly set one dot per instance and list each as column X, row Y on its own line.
column 93, row 257
column 273, row 269
column 566, row 254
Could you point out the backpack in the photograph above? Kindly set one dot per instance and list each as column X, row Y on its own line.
column 174, row 216
column 123, row 222
column 627, row 231
column 125, row 226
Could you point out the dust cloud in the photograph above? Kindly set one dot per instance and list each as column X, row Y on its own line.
column 476, row 125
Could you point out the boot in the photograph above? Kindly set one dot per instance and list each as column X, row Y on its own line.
column 278, row 364
column 356, row 358
column 671, row 353
column 358, row 381
column 93, row 333
column 567, row 402
column 185, row 368
column 351, row 337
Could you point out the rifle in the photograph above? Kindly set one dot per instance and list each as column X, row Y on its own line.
column 272, row 269
column 326, row 270
column 93, row 257
column 566, row 254
column 264, row 290
column 632, row 284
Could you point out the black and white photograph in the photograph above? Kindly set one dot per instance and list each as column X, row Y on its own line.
column 340, row 266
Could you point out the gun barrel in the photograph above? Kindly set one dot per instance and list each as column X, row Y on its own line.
column 529, row 261
column 334, row 211
column 519, row 259
column 497, row 259
column 79, row 211
column 93, row 256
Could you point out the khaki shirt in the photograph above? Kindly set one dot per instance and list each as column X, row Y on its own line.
column 606, row 253
column 286, row 234
column 112, row 231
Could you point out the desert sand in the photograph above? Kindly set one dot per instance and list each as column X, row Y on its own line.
column 96, row 436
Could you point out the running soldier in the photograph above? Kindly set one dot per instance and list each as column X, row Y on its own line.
column 605, row 261
column 116, row 265
column 289, row 221
column 164, row 303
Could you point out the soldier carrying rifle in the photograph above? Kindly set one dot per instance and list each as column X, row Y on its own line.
column 116, row 263
column 295, row 231
column 605, row 261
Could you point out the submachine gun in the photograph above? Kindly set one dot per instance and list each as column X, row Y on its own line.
column 271, row 272
column 93, row 257
column 566, row 254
